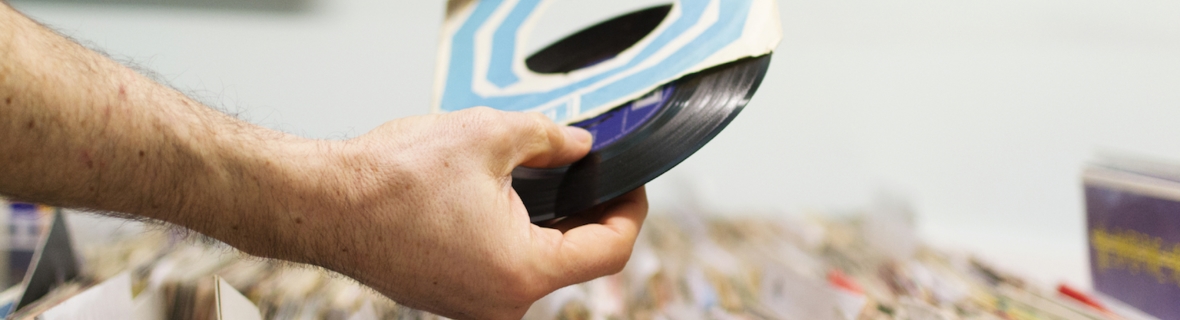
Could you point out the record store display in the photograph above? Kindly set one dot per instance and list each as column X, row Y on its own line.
column 686, row 265
column 652, row 86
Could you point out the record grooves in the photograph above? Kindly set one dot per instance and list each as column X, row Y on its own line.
column 698, row 107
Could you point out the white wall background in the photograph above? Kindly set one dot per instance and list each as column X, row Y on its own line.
column 982, row 113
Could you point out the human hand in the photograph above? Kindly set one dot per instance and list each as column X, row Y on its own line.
column 422, row 210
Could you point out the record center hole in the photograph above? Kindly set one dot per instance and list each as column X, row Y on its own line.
column 597, row 43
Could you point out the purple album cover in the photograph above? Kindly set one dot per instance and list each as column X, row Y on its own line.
column 1134, row 237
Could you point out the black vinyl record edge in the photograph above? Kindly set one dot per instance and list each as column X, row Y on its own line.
column 702, row 104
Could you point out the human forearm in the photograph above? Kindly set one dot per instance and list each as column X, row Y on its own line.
column 421, row 209
column 80, row 130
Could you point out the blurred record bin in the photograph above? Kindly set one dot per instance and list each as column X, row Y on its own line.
column 1133, row 229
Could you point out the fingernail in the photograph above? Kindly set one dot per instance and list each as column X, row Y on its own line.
column 579, row 134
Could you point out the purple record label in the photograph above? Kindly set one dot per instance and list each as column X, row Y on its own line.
column 613, row 125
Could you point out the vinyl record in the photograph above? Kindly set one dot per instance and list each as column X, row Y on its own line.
column 641, row 140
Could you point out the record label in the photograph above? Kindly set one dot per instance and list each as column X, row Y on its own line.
column 616, row 124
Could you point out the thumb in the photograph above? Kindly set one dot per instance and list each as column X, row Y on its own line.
column 538, row 142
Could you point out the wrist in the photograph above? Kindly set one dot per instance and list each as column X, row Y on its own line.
column 336, row 186
column 328, row 181
column 278, row 192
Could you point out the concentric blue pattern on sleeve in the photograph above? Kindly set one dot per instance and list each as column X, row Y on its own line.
column 569, row 100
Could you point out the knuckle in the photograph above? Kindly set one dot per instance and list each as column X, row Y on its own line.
column 539, row 128
column 480, row 124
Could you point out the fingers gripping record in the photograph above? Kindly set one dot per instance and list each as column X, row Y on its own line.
column 598, row 248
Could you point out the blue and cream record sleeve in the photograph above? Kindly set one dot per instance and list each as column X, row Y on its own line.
column 482, row 63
